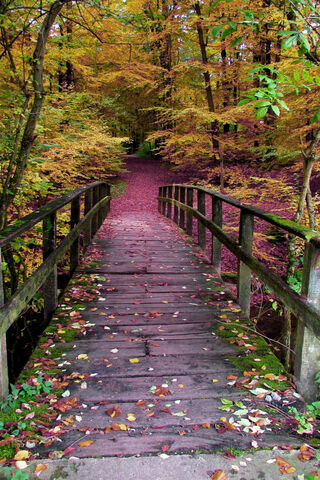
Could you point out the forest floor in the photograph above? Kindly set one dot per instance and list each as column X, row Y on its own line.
column 134, row 304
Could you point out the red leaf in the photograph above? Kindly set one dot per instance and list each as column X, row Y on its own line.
column 165, row 448
column 68, row 450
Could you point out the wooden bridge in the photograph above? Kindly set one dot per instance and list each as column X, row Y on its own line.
column 147, row 371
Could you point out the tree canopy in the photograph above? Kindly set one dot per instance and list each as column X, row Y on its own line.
column 208, row 84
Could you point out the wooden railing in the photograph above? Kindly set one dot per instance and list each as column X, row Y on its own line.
column 96, row 207
column 306, row 307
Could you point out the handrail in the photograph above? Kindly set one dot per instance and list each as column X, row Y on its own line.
column 288, row 225
column 20, row 226
column 306, row 306
column 96, row 207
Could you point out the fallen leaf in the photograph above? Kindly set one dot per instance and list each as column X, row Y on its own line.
column 306, row 453
column 85, row 443
column 141, row 403
column 107, row 430
column 82, row 356
column 40, row 468
column 165, row 448
column 134, row 360
column 131, row 417
column 22, row 455
column 21, row 464
column 114, row 411
column 219, row 475
column 282, row 462
column 206, row 425
column 118, row 426
column 68, row 450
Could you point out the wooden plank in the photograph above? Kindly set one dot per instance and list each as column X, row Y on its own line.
column 132, row 389
column 119, row 366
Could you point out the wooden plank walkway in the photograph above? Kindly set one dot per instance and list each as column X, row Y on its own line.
column 149, row 373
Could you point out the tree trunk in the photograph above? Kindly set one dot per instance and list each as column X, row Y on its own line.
column 20, row 161
column 206, row 76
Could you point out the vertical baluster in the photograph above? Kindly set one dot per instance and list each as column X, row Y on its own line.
column 108, row 193
column 182, row 219
column 87, row 207
column 4, row 381
column 102, row 210
column 244, row 272
column 164, row 204
column 189, row 214
column 169, row 209
column 95, row 200
column 176, row 208
column 75, row 247
column 50, row 286
column 201, row 227
column 159, row 201
column 216, row 245
column 307, row 346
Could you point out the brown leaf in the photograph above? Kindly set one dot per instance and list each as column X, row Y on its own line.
column 162, row 391
column 282, row 462
column 107, row 430
column 219, row 475
column 232, row 377
column 114, row 411
column 306, row 453
column 85, row 443
column 141, row 403
column 206, row 425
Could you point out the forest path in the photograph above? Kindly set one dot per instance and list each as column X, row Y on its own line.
column 149, row 372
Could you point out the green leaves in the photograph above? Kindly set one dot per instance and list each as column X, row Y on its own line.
column 316, row 117
column 294, row 38
column 261, row 112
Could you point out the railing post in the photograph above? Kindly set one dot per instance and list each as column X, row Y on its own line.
column 189, row 214
column 108, row 194
column 50, row 286
column 244, row 272
column 216, row 245
column 87, row 207
column 159, row 201
column 164, row 204
column 75, row 247
column 201, row 227
column 182, row 219
column 176, row 208
column 4, row 380
column 102, row 210
column 307, row 348
column 95, row 200
column 169, row 209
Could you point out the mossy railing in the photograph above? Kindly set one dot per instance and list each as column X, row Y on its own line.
column 95, row 209
column 306, row 307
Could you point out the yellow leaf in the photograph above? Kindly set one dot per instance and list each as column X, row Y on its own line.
column 131, row 417
column 22, row 455
column 82, row 356
column 134, row 360
column 180, row 385
column 215, row 380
